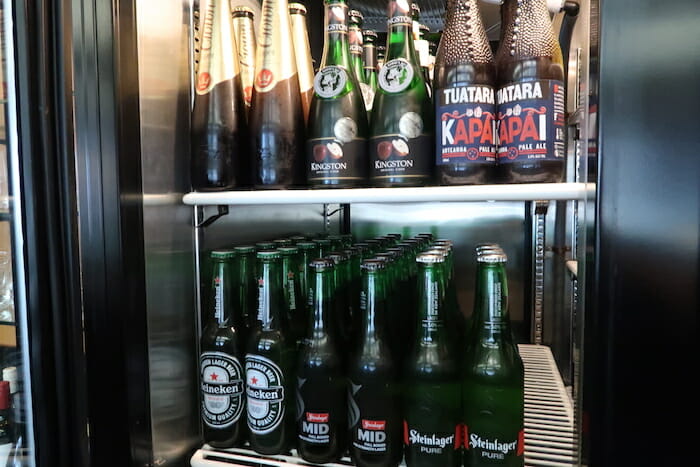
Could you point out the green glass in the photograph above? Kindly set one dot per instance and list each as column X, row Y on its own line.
column 323, row 247
column 246, row 292
column 341, row 321
column 432, row 384
column 282, row 242
column 402, row 126
column 348, row 239
column 337, row 129
column 321, row 382
column 364, row 248
column 337, row 242
column 295, row 304
column 269, row 364
column 355, row 42
column 354, row 286
column 493, row 374
column 369, row 57
column 298, row 238
column 265, row 245
column 308, row 251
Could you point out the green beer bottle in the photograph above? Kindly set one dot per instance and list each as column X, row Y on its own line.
column 336, row 148
column 493, row 375
column 402, row 127
column 341, row 319
column 432, row 404
column 321, row 384
column 269, row 364
column 295, row 305
column 369, row 60
column 246, row 292
column 355, row 40
column 221, row 384
column 323, row 246
column 308, row 251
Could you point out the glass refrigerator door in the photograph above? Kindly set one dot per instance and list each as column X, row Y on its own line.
column 15, row 426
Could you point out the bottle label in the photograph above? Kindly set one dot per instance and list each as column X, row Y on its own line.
column 246, row 56
column 216, row 56
column 275, row 60
column 330, row 81
column 396, row 75
column 494, row 449
column 317, row 412
column 404, row 154
column 372, row 418
column 265, row 391
column 466, row 125
column 367, row 95
column 530, row 121
column 222, row 389
column 336, row 19
column 335, row 157
column 431, row 444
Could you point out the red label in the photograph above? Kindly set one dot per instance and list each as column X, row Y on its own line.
column 405, row 432
column 373, row 424
column 465, row 436
column 317, row 417
column 264, row 78
column 521, row 443
column 248, row 92
column 203, row 81
column 458, row 436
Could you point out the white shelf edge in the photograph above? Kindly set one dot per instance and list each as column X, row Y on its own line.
column 510, row 192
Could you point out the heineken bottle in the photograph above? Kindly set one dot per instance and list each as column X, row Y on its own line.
column 402, row 127
column 269, row 364
column 374, row 400
column 245, row 292
column 295, row 305
column 307, row 252
column 321, row 386
column 336, row 147
column 369, row 60
column 220, row 367
column 432, row 386
column 493, row 374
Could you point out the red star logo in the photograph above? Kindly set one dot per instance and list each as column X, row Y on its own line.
column 261, row 282
column 217, row 279
column 214, row 377
column 290, row 275
column 253, row 380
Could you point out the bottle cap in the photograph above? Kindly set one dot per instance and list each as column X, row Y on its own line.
column 306, row 245
column 282, row 242
column 337, row 256
column 297, row 8
column 430, row 258
column 369, row 34
column 288, row 250
column 222, row 254
column 9, row 374
column 322, row 241
column 493, row 257
column 356, row 14
column 321, row 264
column 268, row 254
column 4, row 395
column 298, row 238
column 264, row 245
column 242, row 10
column 372, row 265
column 244, row 249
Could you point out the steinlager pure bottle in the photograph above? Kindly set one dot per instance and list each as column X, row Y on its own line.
column 402, row 127
column 243, row 26
column 432, row 434
column 305, row 66
column 321, row 387
column 219, row 131
column 374, row 388
column 221, row 373
column 493, row 376
column 276, row 114
column 530, row 95
column 336, row 150
column 465, row 105
column 269, row 364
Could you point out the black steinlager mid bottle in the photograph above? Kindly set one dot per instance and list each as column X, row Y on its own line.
column 219, row 364
column 269, row 364
column 432, row 388
column 321, row 386
column 374, row 400
column 493, row 375
column 336, row 149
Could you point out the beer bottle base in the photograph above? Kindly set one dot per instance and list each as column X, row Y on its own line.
column 473, row 174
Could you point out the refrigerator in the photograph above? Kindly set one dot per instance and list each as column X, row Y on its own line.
column 109, row 245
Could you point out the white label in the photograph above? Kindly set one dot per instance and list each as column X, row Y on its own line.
column 330, row 81
column 217, row 56
column 222, row 389
column 396, row 75
column 275, row 60
column 265, row 391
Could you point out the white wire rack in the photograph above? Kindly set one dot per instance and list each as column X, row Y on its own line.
column 549, row 423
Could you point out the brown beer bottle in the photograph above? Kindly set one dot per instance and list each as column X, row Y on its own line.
column 530, row 95
column 276, row 117
column 305, row 66
column 219, row 149
column 243, row 26
column 465, row 106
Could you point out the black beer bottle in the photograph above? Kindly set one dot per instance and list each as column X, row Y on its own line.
column 321, row 387
column 493, row 375
column 402, row 127
column 276, row 118
column 465, row 105
column 219, row 130
column 295, row 305
column 269, row 364
column 374, row 400
column 220, row 368
column 530, row 96
column 432, row 434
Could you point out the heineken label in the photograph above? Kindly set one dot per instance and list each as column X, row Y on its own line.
column 396, row 75
column 216, row 64
column 330, row 81
column 221, row 388
column 406, row 154
column 336, row 156
column 274, row 51
column 265, row 394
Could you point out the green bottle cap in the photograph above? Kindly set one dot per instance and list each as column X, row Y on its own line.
column 244, row 249
column 430, row 258
column 288, row 250
column 222, row 254
column 493, row 257
column 268, row 254
column 372, row 265
column 306, row 245
column 321, row 264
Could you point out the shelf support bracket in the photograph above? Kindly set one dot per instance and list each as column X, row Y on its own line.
column 200, row 222
column 538, row 276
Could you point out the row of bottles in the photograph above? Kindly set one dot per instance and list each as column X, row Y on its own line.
column 480, row 120
column 379, row 374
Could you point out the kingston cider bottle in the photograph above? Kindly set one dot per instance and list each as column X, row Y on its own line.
column 269, row 364
column 465, row 105
column 321, row 384
column 222, row 380
column 530, row 96
column 276, row 117
column 401, row 131
column 219, row 130
column 243, row 26
column 493, row 375
column 336, row 150
column 305, row 66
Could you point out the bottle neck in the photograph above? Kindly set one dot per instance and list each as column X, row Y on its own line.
column 221, row 285
column 270, row 294
column 431, row 298
column 491, row 320
column 355, row 47
column 372, row 303
column 289, row 270
column 527, row 31
column 320, row 301
column 336, row 50
column 400, row 39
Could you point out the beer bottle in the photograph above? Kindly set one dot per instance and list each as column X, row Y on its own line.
column 432, row 388
column 282, row 242
column 307, row 251
column 336, row 150
column 296, row 307
column 243, row 26
column 323, row 245
column 269, row 364
column 265, row 245
column 220, row 368
column 321, row 388
column 305, row 66
column 245, row 293
column 369, row 60
column 354, row 286
column 493, row 376
column 341, row 318
column 402, row 127
column 465, row 105
column 276, row 117
column 219, row 130
column 374, row 400
column 530, row 95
